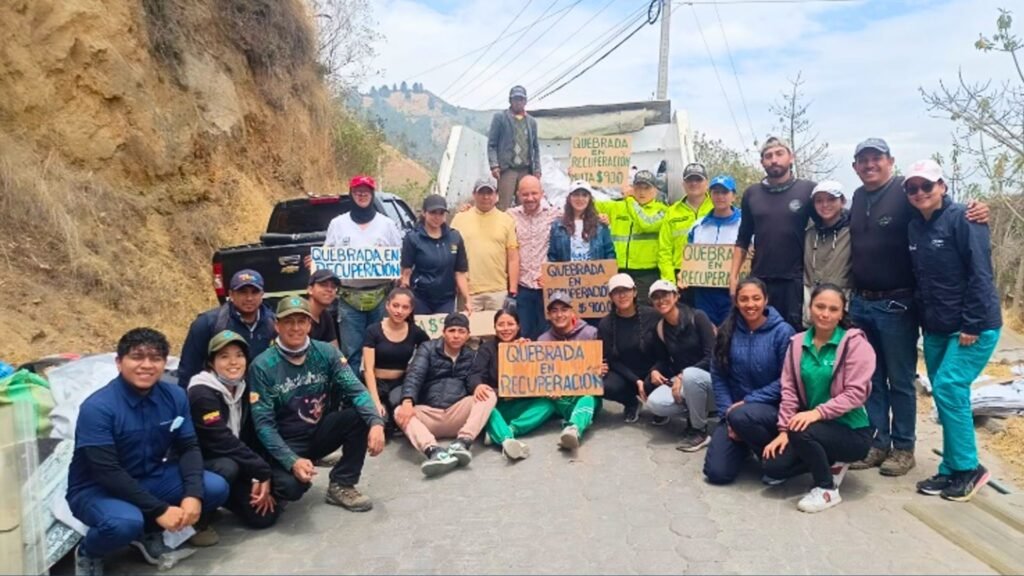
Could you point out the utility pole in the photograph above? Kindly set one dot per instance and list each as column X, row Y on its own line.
column 666, row 17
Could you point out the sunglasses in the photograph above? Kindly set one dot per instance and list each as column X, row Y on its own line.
column 912, row 189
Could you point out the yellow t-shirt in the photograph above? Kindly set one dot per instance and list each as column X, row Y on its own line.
column 488, row 236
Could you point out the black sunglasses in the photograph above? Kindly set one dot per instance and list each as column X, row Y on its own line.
column 912, row 190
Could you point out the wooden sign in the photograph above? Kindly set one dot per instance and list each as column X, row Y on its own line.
column 585, row 282
column 480, row 324
column 377, row 263
column 603, row 161
column 530, row 369
column 708, row 265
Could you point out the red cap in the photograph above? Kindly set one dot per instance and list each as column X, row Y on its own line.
column 362, row 181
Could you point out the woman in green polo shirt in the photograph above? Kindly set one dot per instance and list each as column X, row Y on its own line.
column 826, row 379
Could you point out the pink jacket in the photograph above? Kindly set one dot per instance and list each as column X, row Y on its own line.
column 851, row 378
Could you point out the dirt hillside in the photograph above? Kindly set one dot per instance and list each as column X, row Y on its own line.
column 135, row 137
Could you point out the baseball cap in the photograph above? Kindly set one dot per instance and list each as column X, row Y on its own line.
column 225, row 337
column 581, row 185
column 488, row 183
column 434, row 202
column 830, row 187
column 293, row 305
column 247, row 277
column 357, row 181
column 927, row 169
column 645, row 177
column 774, row 141
column 872, row 144
column 561, row 297
column 620, row 280
column 662, row 286
column 456, row 320
column 517, row 92
column 724, row 181
column 695, row 169
column 323, row 275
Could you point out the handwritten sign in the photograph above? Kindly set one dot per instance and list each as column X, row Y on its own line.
column 601, row 160
column 379, row 263
column 527, row 369
column 480, row 324
column 585, row 282
column 709, row 265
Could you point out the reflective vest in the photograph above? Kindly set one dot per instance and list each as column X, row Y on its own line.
column 679, row 218
column 634, row 231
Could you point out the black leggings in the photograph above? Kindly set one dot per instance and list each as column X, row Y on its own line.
column 816, row 448
column 241, row 488
column 618, row 389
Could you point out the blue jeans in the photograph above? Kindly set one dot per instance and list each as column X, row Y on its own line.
column 114, row 523
column 952, row 368
column 424, row 306
column 891, row 327
column 352, row 330
column 530, row 306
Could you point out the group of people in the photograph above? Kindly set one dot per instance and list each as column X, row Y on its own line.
column 806, row 364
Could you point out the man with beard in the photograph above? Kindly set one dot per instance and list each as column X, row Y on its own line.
column 775, row 213
column 533, row 218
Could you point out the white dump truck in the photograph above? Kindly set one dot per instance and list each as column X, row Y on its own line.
column 660, row 140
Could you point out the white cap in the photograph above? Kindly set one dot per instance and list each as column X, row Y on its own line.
column 620, row 280
column 831, row 187
column 662, row 286
column 580, row 185
column 927, row 169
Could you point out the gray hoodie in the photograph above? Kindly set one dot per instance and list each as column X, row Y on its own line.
column 232, row 399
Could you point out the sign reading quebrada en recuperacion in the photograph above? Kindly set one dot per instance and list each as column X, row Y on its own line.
column 373, row 263
column 530, row 369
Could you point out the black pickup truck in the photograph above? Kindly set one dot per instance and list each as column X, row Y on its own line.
column 295, row 226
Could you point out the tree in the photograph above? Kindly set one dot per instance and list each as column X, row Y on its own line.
column 404, row 87
column 813, row 160
column 717, row 158
column 346, row 38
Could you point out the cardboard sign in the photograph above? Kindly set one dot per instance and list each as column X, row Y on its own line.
column 585, row 282
column 708, row 265
column 480, row 324
column 379, row 263
column 528, row 369
column 603, row 161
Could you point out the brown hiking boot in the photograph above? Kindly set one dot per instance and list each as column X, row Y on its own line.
column 348, row 497
column 898, row 463
column 204, row 537
column 874, row 459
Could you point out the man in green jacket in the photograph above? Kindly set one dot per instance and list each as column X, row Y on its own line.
column 635, row 223
column 679, row 218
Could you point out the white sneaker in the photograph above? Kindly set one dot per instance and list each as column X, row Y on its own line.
column 487, row 439
column 819, row 499
column 570, row 438
column 515, row 449
column 839, row 472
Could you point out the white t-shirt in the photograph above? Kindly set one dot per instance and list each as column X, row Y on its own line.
column 379, row 232
column 580, row 248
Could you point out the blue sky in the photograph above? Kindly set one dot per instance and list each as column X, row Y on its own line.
column 862, row 61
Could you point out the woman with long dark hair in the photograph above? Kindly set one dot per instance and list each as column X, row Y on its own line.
column 627, row 335
column 389, row 347
column 745, row 375
column 826, row 379
column 580, row 235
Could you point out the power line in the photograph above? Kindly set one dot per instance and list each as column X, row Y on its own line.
column 495, row 41
column 651, row 19
column 739, row 85
column 721, row 86
column 727, row 2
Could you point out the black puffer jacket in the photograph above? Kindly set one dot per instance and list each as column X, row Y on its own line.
column 434, row 379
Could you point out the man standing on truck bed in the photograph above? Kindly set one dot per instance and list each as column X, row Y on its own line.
column 244, row 313
column 361, row 302
column 512, row 146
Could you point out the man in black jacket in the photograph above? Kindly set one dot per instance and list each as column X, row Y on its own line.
column 513, row 149
column 437, row 399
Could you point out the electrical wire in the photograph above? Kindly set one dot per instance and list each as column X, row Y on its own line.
column 735, row 74
column 725, row 95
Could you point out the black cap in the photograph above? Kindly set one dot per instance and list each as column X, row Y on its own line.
column 695, row 169
column 435, row 202
column 323, row 275
column 456, row 320
column 517, row 92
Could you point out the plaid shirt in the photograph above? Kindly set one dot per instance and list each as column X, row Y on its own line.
column 533, row 232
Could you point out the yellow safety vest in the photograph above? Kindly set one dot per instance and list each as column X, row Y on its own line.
column 679, row 218
column 634, row 231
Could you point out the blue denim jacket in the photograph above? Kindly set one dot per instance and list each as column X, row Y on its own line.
column 560, row 246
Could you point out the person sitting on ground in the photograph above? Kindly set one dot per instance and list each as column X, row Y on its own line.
column 434, row 262
column 577, row 412
column 628, row 349
column 137, row 465
column 244, row 313
column 745, row 372
column 219, row 403
column 512, row 418
column 437, row 399
column 323, row 293
column 960, row 318
column 687, row 341
column 389, row 348
column 826, row 380
column 297, row 386
column 827, row 243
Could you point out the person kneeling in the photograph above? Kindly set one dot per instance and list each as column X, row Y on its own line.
column 437, row 399
column 123, row 482
column 296, row 388
column 826, row 380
